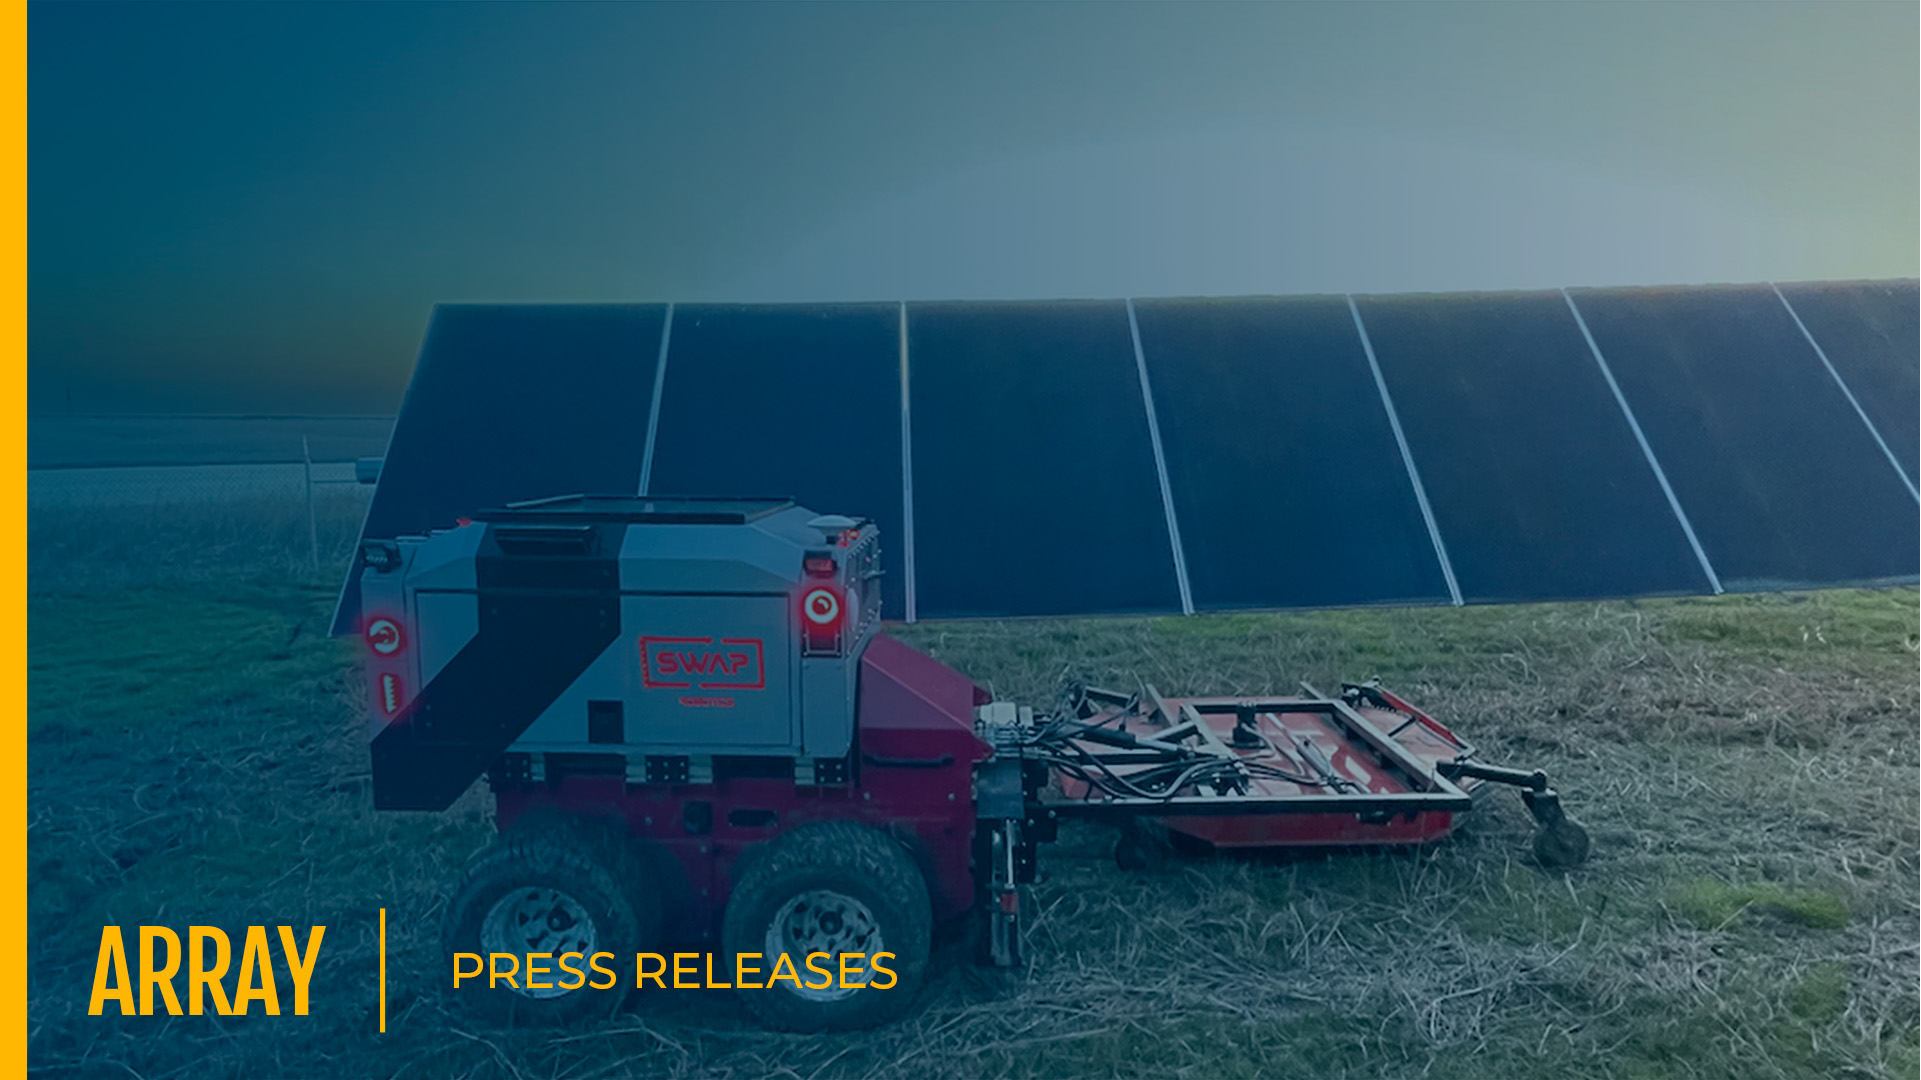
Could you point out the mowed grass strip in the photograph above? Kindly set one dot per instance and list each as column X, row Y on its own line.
column 1746, row 764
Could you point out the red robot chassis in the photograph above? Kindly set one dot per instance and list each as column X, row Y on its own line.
column 695, row 732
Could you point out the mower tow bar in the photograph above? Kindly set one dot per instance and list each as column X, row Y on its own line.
column 1454, row 770
column 1562, row 842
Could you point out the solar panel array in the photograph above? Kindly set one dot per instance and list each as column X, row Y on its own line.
column 1170, row 456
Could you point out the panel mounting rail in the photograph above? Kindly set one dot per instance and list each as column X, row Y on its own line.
column 1407, row 456
column 906, row 473
column 1160, row 464
column 1660, row 474
column 653, row 408
column 1843, row 384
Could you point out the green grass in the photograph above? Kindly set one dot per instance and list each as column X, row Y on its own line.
column 1521, row 906
column 1745, row 764
column 193, row 753
column 128, row 659
column 1717, row 905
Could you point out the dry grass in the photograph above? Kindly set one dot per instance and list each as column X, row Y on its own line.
column 1747, row 766
column 97, row 550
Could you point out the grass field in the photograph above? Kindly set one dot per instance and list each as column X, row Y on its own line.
column 1746, row 765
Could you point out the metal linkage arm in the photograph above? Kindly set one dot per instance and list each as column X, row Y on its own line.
column 1454, row 770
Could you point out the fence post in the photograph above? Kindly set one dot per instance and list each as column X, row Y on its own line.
column 313, row 525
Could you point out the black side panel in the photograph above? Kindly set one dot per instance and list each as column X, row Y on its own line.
column 512, row 402
column 801, row 401
column 1035, row 491
column 1536, row 481
column 1288, row 487
column 531, row 645
column 1784, row 484
column 1871, row 334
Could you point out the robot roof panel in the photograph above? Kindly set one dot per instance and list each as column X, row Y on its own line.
column 639, row 510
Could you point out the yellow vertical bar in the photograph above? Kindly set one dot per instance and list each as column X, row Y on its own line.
column 383, row 970
column 13, row 508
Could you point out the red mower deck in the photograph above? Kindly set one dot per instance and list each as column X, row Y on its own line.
column 1310, row 761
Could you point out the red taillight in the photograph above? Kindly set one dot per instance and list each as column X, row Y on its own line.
column 822, row 608
column 383, row 637
column 821, row 613
column 390, row 693
column 818, row 565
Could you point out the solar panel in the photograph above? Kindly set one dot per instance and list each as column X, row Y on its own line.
column 1782, row 479
column 1102, row 457
column 1539, row 489
column 802, row 401
column 1034, row 485
column 1286, row 481
column 1868, row 331
column 512, row 402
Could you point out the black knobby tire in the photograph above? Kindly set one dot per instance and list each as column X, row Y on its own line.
column 576, row 871
column 856, row 868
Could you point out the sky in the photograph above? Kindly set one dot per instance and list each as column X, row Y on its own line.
column 254, row 207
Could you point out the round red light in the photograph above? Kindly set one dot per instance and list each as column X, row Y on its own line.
column 383, row 636
column 821, row 607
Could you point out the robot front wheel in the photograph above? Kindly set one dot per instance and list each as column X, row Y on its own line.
column 834, row 888
column 554, row 888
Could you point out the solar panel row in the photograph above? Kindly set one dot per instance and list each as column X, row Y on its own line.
column 1178, row 455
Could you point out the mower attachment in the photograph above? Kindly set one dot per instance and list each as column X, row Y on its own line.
column 1364, row 768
